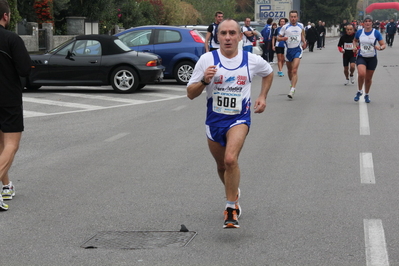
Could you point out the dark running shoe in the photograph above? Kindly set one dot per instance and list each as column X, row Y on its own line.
column 230, row 218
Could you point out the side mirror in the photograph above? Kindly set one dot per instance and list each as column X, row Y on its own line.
column 70, row 55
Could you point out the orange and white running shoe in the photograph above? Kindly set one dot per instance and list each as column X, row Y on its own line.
column 230, row 218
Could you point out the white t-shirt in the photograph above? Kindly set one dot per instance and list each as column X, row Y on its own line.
column 245, row 40
column 294, row 34
column 229, row 92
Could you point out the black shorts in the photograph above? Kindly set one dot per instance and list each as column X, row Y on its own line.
column 279, row 50
column 11, row 119
column 348, row 59
column 369, row 62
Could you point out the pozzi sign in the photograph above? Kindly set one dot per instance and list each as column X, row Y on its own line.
column 274, row 9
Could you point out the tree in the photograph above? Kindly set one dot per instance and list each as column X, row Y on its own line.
column 180, row 13
column 209, row 7
column 15, row 17
column 330, row 11
column 132, row 14
column 245, row 9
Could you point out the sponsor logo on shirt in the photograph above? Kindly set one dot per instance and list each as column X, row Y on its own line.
column 241, row 80
column 230, row 80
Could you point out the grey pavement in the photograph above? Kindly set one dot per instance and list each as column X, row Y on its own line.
column 146, row 167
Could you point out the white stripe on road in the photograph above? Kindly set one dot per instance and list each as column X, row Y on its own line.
column 109, row 107
column 116, row 137
column 163, row 95
column 364, row 126
column 179, row 108
column 376, row 251
column 364, row 119
column 100, row 97
column 367, row 168
column 60, row 103
column 33, row 114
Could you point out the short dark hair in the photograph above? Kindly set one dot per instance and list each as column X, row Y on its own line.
column 294, row 11
column 4, row 7
column 218, row 12
column 230, row 19
column 269, row 21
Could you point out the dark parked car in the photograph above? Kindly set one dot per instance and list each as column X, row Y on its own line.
column 179, row 48
column 95, row 60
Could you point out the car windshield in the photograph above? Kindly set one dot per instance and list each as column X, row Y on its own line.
column 122, row 45
column 54, row 50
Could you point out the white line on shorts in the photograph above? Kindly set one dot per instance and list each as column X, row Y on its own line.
column 366, row 168
column 376, row 251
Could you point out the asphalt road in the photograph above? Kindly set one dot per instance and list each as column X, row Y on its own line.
column 319, row 174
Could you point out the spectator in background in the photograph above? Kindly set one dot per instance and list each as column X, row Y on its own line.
column 272, row 50
column 382, row 26
column 342, row 27
column 390, row 32
column 14, row 62
column 249, row 35
column 321, row 32
column 311, row 37
column 211, row 39
column 267, row 39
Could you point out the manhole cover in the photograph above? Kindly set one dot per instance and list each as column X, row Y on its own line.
column 139, row 239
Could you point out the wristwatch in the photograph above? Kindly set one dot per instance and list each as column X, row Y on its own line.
column 204, row 82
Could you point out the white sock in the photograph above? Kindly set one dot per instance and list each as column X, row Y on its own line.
column 292, row 89
column 230, row 204
column 9, row 185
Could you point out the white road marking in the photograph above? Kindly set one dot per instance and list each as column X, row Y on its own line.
column 163, row 95
column 179, row 108
column 60, row 103
column 33, row 114
column 364, row 119
column 376, row 251
column 107, row 107
column 101, row 97
column 116, row 137
column 367, row 168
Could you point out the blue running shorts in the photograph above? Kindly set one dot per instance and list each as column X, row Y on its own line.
column 293, row 53
column 218, row 134
column 369, row 62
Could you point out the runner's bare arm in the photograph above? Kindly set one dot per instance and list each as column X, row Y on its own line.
column 195, row 89
column 260, row 103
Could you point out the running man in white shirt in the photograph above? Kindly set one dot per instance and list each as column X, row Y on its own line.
column 226, row 75
column 294, row 37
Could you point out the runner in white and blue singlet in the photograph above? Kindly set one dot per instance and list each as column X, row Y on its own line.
column 226, row 74
column 279, row 47
column 294, row 37
column 364, row 44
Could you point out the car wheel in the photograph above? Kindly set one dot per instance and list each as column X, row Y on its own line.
column 183, row 72
column 30, row 87
column 124, row 79
column 141, row 86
